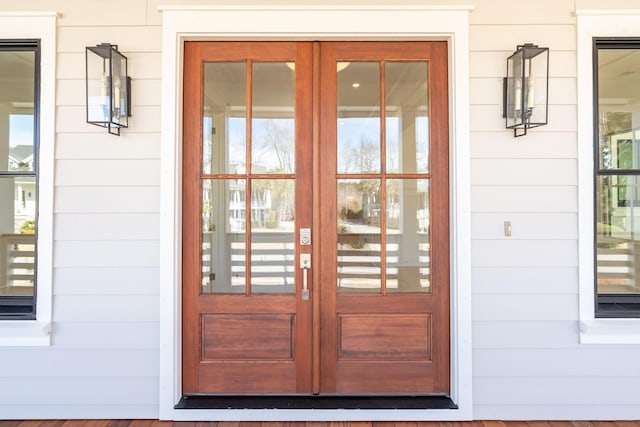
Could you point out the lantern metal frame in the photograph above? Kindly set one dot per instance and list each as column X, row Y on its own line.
column 525, row 94
column 108, row 88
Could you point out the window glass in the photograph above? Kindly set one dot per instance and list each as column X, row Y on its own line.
column 18, row 179
column 617, row 181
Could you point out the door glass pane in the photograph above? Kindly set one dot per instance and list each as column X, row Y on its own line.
column 272, row 236
column 408, row 235
column 224, row 118
column 223, row 236
column 359, row 235
column 272, row 124
column 17, row 236
column 407, row 121
column 359, row 118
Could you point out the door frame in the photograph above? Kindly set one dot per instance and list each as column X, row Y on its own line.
column 366, row 23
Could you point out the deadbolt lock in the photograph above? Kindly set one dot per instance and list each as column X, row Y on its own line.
column 305, row 236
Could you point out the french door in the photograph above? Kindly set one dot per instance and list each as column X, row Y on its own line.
column 315, row 218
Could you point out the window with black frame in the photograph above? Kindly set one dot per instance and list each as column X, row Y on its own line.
column 617, row 176
column 19, row 88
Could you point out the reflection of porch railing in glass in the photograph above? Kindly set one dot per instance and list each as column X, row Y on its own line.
column 273, row 263
column 359, row 263
column 17, row 264
column 618, row 264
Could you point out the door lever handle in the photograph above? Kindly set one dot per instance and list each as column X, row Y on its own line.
column 305, row 265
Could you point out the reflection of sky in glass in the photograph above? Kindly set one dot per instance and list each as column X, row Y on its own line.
column 20, row 129
column 237, row 138
column 358, row 144
column 422, row 142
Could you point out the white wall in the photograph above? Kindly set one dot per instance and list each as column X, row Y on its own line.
column 527, row 360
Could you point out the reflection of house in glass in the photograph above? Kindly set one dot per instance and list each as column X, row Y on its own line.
column 261, row 203
column 21, row 159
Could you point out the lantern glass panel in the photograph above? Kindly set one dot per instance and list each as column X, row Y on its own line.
column 98, row 89
column 535, row 91
column 515, row 101
column 119, row 89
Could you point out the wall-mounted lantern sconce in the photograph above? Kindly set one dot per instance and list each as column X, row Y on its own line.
column 108, row 88
column 525, row 89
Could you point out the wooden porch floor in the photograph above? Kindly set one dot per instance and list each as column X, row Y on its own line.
column 156, row 423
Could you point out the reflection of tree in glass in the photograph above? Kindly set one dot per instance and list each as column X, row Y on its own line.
column 275, row 198
column 207, row 215
column 363, row 157
column 350, row 202
column 273, row 144
column 359, row 202
column 611, row 123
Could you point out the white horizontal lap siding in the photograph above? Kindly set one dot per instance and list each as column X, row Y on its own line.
column 107, row 199
column 103, row 359
column 107, row 226
column 527, row 360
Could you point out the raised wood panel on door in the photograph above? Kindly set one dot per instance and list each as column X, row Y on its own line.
column 386, row 337
column 224, row 337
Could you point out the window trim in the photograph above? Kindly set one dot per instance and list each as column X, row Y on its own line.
column 603, row 303
column 590, row 24
column 42, row 26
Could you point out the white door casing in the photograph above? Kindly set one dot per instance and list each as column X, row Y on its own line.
column 397, row 22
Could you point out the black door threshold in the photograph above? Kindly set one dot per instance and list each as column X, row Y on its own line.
column 315, row 402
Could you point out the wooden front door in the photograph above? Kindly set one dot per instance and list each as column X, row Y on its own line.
column 315, row 218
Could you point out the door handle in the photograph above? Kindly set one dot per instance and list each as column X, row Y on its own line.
column 305, row 265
